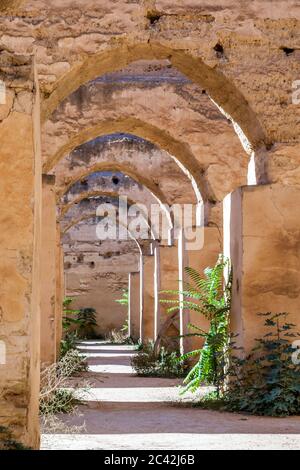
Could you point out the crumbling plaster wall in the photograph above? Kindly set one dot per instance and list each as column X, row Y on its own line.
column 20, row 207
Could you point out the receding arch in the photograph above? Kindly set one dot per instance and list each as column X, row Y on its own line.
column 100, row 160
column 92, row 216
column 222, row 90
column 89, row 194
column 138, row 178
column 178, row 150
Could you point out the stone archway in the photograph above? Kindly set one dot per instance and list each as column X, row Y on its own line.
column 97, row 271
column 218, row 86
column 135, row 157
column 140, row 129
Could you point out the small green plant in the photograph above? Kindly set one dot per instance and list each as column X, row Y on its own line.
column 208, row 296
column 211, row 401
column 124, row 299
column 82, row 320
column 267, row 382
column 150, row 363
column 68, row 343
column 61, row 401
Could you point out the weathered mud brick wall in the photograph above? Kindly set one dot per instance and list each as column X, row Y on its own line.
column 19, row 247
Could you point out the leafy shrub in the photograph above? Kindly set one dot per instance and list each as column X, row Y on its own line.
column 208, row 296
column 68, row 343
column 267, row 382
column 82, row 320
column 72, row 363
column 55, row 397
column 60, row 401
column 211, row 401
column 150, row 363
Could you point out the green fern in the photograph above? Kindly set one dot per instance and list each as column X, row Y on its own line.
column 208, row 296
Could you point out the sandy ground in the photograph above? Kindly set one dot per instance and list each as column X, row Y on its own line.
column 127, row 412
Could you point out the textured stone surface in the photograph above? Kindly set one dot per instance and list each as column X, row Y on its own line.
column 264, row 248
column 137, row 158
column 177, row 117
column 48, row 272
column 19, row 247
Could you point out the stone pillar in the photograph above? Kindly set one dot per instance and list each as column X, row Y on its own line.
column 141, row 298
column 157, row 286
column 184, row 315
column 149, row 297
column 205, row 256
column 169, row 280
column 60, row 290
column 20, row 210
column 134, row 305
column 261, row 237
column 48, row 272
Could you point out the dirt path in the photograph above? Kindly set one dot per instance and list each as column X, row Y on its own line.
column 127, row 412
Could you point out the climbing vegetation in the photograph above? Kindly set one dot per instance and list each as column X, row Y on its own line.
column 267, row 382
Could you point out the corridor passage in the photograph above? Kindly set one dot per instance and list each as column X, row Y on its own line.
column 126, row 412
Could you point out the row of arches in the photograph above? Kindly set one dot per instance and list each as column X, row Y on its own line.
column 201, row 160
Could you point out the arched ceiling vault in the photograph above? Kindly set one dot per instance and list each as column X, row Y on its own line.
column 154, row 169
column 223, row 92
column 141, row 129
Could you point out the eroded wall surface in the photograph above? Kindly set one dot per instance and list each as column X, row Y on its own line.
column 20, row 208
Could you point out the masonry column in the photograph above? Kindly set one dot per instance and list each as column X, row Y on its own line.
column 184, row 315
column 60, row 289
column 134, row 309
column 20, row 205
column 149, row 298
column 48, row 272
column 261, row 237
column 169, row 280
